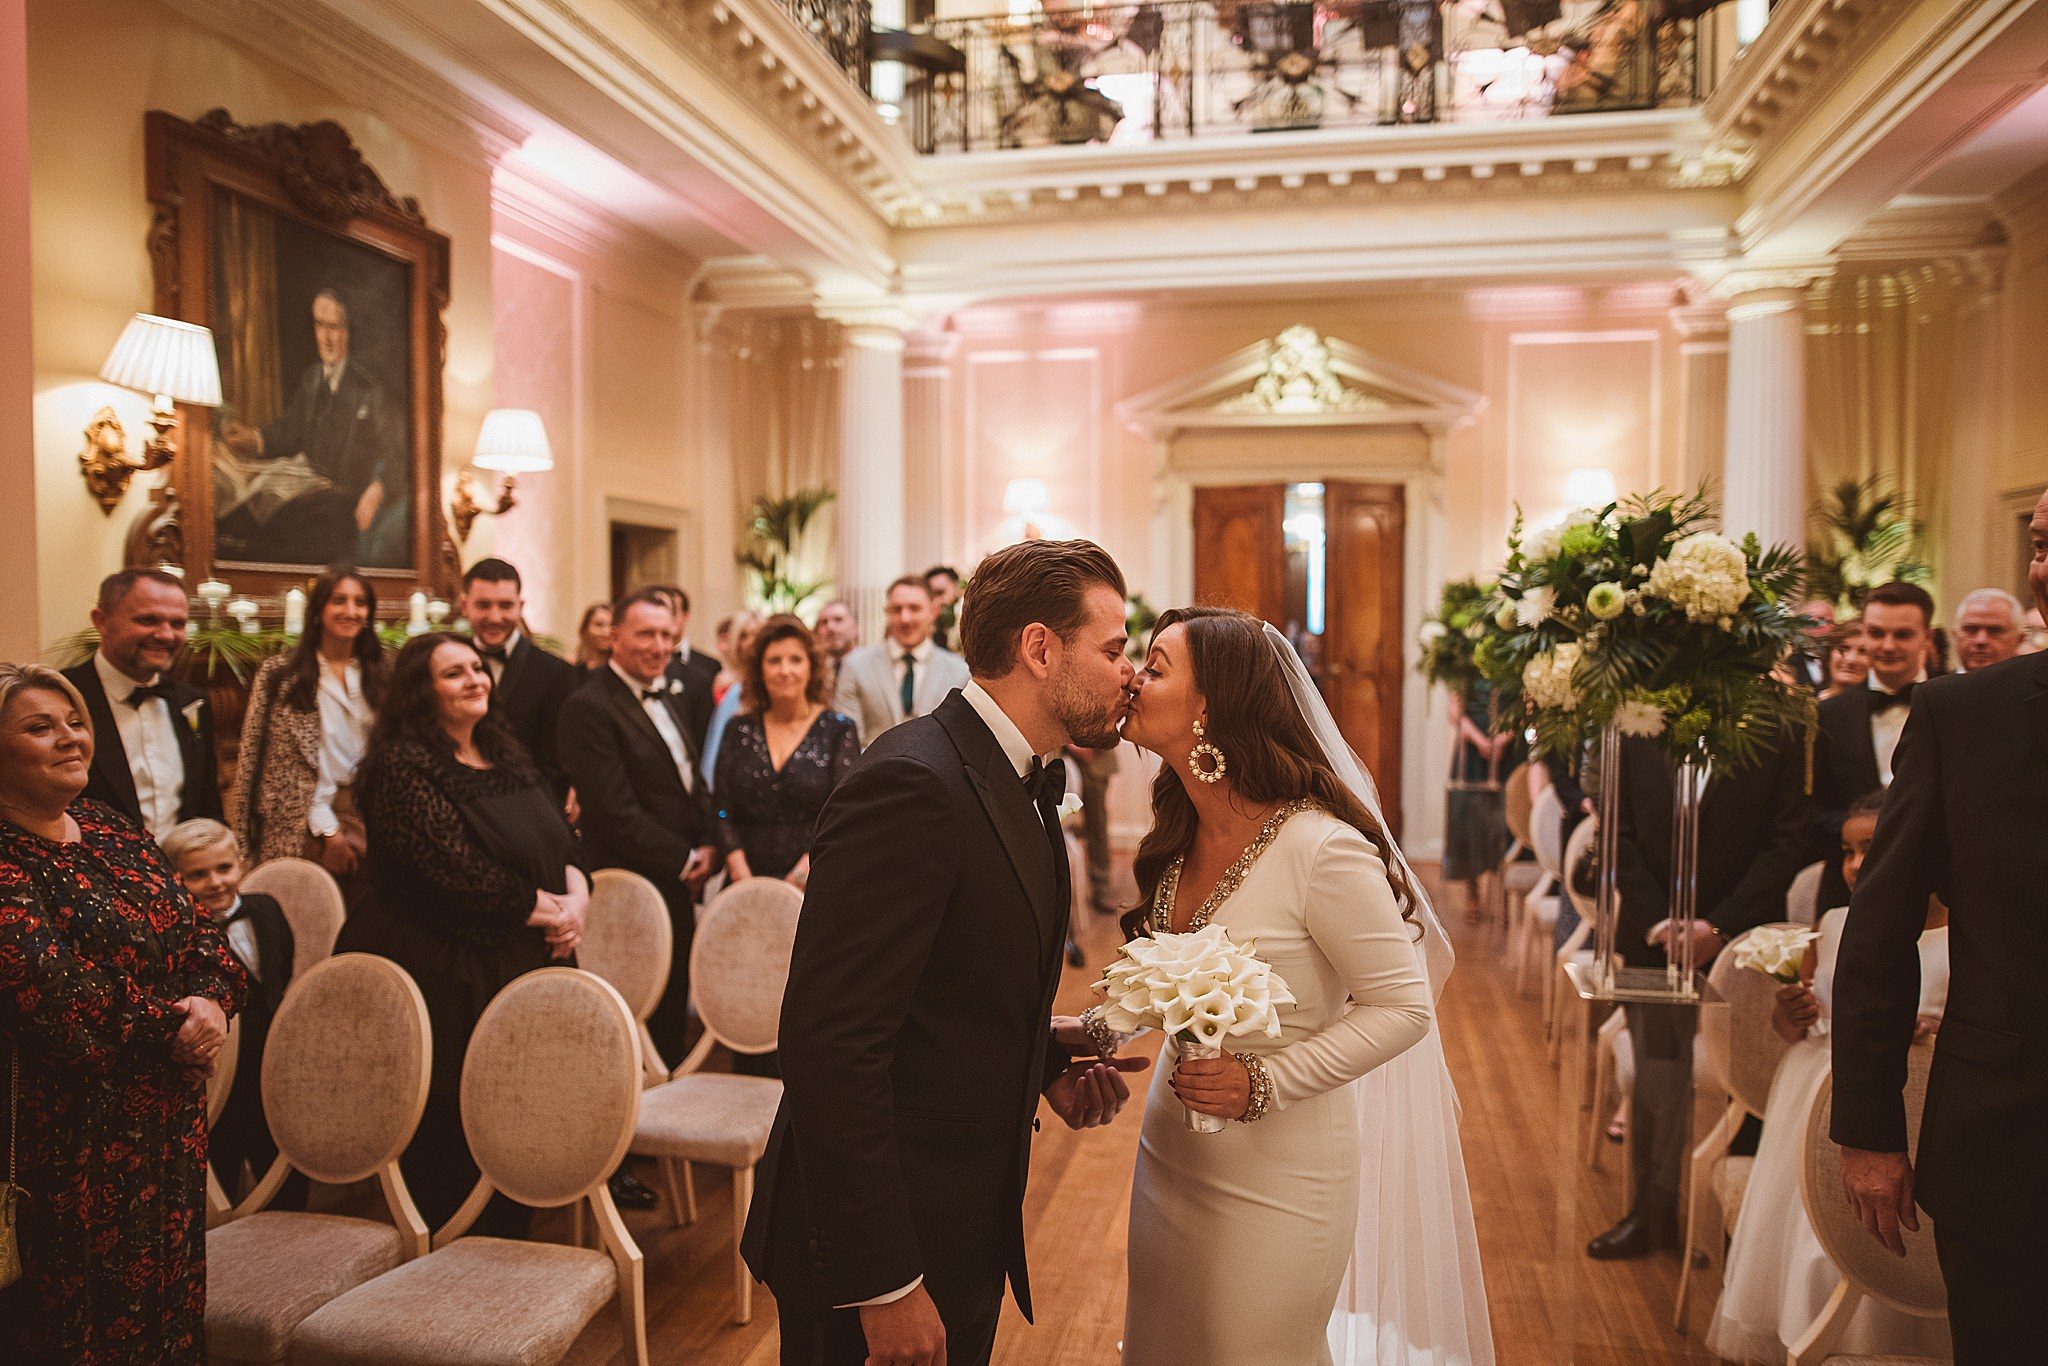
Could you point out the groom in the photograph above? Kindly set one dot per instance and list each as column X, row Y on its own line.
column 915, row 1039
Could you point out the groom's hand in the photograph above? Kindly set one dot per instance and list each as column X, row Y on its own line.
column 904, row 1332
column 1091, row 1092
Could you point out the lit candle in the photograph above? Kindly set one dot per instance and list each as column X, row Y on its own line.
column 417, row 622
column 244, row 613
column 176, row 571
column 213, row 593
column 295, row 611
column 437, row 611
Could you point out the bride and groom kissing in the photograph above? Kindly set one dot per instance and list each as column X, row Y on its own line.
column 917, row 1036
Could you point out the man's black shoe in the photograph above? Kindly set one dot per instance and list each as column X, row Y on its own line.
column 629, row 1192
column 1637, row 1235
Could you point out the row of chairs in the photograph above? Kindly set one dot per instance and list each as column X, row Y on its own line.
column 353, row 1125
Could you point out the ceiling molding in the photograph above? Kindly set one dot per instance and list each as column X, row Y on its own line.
column 362, row 69
column 1802, row 54
column 544, row 206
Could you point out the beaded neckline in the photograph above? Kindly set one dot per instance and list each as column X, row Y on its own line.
column 1233, row 876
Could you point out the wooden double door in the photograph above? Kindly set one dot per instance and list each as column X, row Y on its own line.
column 1242, row 560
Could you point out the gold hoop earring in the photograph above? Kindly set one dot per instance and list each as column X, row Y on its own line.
column 1203, row 750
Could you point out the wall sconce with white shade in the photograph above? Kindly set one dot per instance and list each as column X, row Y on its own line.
column 1589, row 486
column 171, row 361
column 513, row 442
column 1029, row 505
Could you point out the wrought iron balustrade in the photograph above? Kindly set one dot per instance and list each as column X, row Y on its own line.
column 1174, row 69
column 841, row 28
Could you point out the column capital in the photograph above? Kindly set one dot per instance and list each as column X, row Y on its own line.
column 870, row 322
column 1780, row 282
column 930, row 347
column 1704, row 323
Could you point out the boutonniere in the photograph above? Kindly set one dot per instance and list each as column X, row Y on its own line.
column 675, row 687
column 192, row 715
column 1070, row 805
column 363, row 412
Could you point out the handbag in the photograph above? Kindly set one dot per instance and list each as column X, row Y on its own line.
column 10, row 1194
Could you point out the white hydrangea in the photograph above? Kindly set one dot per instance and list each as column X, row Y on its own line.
column 1548, row 678
column 1704, row 574
column 1544, row 542
column 1643, row 720
column 1432, row 632
column 1535, row 604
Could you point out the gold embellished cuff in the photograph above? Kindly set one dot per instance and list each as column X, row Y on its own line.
column 1262, row 1087
column 1100, row 1036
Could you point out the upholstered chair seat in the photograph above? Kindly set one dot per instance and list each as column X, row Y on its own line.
column 709, row 1117
column 267, row 1272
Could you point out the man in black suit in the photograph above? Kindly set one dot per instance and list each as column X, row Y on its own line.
column 626, row 749
column 1859, row 728
column 528, row 684
column 1755, row 823
column 209, row 864
column 693, row 672
column 352, row 434
column 153, row 754
column 1962, row 820
column 1809, row 662
column 915, row 1039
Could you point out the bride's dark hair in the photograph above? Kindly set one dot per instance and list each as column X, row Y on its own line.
column 1273, row 755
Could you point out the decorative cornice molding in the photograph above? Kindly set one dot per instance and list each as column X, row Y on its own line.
column 1803, row 53
column 1745, row 282
column 545, row 207
column 328, row 49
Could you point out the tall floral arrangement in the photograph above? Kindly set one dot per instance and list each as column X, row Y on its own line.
column 1450, row 636
column 1641, row 615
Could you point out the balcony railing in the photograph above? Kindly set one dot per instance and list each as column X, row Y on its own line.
column 842, row 28
column 1174, row 69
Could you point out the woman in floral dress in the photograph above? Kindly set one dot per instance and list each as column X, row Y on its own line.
column 114, row 997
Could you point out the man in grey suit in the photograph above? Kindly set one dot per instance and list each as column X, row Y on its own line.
column 906, row 675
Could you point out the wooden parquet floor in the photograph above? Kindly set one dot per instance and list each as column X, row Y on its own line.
column 1549, row 1304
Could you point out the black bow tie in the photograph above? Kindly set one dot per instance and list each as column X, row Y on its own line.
column 1882, row 702
column 497, row 652
column 1047, row 783
column 161, row 688
column 240, row 912
column 653, row 694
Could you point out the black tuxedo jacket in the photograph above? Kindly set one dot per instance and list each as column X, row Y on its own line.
column 914, row 1042
column 1755, row 825
column 636, row 812
column 697, row 676
column 111, row 781
column 528, row 702
column 241, row 1132
column 1963, row 820
column 1844, row 772
column 351, row 436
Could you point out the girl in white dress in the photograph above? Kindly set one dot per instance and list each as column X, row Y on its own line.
column 1240, row 1241
column 1779, row 1278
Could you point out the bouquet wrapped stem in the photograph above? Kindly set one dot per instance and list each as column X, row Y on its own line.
column 1192, row 1047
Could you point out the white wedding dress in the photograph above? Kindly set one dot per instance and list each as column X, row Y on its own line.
column 1779, row 1278
column 1240, row 1240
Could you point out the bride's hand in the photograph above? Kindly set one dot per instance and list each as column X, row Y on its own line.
column 1214, row 1086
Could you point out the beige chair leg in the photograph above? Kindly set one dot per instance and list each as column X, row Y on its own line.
column 690, row 1189
column 1707, row 1155
column 743, row 1280
column 1595, row 1124
column 576, row 1225
column 632, row 1278
column 1820, row 1341
column 681, row 1213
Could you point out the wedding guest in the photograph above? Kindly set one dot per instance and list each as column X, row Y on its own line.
column 114, row 1002
column 594, row 637
column 478, row 882
column 1755, row 825
column 729, row 676
column 909, row 674
column 209, row 866
column 629, row 754
column 528, row 684
column 694, row 674
column 1097, row 767
column 1779, row 1279
column 2037, row 633
column 1849, row 660
column 746, row 626
column 310, row 712
column 154, row 757
column 1475, row 817
column 1809, row 662
column 837, row 633
column 944, row 581
column 1859, row 728
column 1990, row 628
column 1962, row 821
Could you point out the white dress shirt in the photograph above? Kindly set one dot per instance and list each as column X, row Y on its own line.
column 149, row 738
column 496, row 666
column 1886, row 728
column 242, row 938
column 665, row 722
column 1018, row 751
column 345, row 721
column 900, row 659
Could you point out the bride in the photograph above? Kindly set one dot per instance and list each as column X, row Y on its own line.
column 1331, row 1222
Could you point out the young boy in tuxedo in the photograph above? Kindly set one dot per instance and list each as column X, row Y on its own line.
column 209, row 864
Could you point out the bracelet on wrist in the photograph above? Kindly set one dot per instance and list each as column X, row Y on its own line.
column 1262, row 1087
column 1100, row 1036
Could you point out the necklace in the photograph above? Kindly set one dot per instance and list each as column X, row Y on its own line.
column 1233, row 876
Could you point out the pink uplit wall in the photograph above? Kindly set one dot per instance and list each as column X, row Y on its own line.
column 20, row 625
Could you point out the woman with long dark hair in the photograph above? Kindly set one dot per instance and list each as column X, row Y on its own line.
column 310, row 713
column 476, row 881
column 1265, row 825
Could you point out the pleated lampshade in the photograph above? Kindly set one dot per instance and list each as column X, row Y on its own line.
column 164, row 356
column 513, row 441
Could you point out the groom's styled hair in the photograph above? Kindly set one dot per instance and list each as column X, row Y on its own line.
column 1032, row 581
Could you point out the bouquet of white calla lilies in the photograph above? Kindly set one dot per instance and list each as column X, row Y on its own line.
column 1775, row 951
column 1200, row 988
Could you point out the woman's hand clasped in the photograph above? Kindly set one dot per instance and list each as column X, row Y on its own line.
column 1796, row 1011
column 1214, row 1086
column 202, row 1035
column 560, row 919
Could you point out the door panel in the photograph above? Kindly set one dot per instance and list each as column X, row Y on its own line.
column 1240, row 555
column 1362, row 646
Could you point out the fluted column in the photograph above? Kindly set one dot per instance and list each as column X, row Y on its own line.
column 1702, row 391
column 21, row 635
column 871, row 466
column 1764, row 469
column 930, row 525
